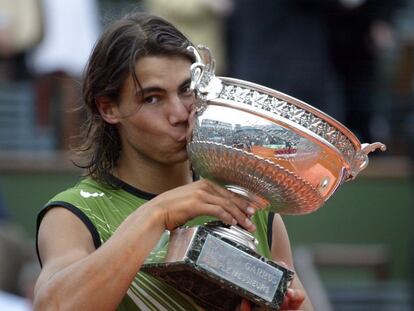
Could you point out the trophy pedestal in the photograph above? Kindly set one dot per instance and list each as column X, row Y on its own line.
column 217, row 271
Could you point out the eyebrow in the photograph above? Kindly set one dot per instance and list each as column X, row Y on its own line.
column 155, row 89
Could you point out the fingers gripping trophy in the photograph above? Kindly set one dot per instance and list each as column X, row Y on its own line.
column 277, row 151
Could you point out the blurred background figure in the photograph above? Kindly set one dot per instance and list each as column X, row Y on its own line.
column 283, row 45
column 402, row 79
column 359, row 33
column 24, row 300
column 325, row 53
column 403, row 103
column 18, row 268
column 21, row 28
column 200, row 20
column 70, row 30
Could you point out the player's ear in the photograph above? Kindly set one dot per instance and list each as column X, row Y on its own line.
column 108, row 110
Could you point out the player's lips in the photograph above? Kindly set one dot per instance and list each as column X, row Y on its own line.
column 181, row 138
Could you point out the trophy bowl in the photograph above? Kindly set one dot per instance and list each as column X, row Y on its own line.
column 281, row 153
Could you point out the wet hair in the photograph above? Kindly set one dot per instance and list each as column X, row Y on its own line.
column 112, row 61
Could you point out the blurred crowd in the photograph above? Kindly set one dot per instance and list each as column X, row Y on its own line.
column 46, row 44
column 353, row 59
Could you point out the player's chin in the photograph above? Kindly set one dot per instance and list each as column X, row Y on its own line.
column 178, row 156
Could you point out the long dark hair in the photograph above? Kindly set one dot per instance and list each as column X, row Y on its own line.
column 113, row 60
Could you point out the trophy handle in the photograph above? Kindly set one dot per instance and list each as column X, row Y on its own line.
column 203, row 80
column 361, row 159
column 197, row 68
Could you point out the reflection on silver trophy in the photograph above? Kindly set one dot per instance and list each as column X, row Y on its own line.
column 279, row 152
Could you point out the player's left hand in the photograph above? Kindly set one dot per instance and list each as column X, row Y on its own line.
column 294, row 299
column 244, row 306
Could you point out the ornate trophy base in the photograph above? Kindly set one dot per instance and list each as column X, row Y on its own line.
column 212, row 264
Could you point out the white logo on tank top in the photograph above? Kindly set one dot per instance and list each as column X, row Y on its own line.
column 87, row 194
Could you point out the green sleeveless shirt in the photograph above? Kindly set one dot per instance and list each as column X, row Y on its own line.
column 102, row 209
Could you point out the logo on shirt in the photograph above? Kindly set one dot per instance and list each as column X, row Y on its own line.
column 87, row 194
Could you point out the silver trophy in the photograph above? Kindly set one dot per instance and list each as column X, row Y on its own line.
column 277, row 151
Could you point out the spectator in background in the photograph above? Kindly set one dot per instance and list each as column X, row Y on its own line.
column 15, row 252
column 283, row 45
column 403, row 108
column 322, row 52
column 200, row 20
column 71, row 28
column 20, row 30
column 359, row 30
column 18, row 268
column 403, row 83
column 24, row 302
column 27, row 278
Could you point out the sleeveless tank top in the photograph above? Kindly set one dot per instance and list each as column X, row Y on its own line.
column 102, row 209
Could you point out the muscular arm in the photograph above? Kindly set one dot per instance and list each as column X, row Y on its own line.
column 281, row 252
column 75, row 276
